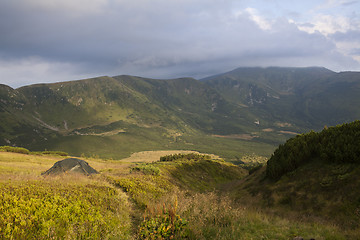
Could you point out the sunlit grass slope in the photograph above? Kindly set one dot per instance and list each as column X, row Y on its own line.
column 312, row 176
column 180, row 199
column 72, row 207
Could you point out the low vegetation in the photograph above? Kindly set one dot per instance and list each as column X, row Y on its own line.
column 46, row 209
column 26, row 151
column 146, row 169
column 313, row 177
column 59, row 153
column 211, row 216
column 14, row 149
column 163, row 224
column 144, row 189
column 309, row 187
column 181, row 198
column 338, row 144
column 190, row 156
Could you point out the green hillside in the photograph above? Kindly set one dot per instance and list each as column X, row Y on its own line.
column 306, row 98
column 338, row 144
column 311, row 176
column 113, row 117
column 244, row 112
column 184, row 197
column 17, row 125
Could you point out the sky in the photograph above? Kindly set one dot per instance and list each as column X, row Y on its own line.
column 44, row 41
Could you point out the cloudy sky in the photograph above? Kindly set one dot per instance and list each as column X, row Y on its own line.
column 60, row 40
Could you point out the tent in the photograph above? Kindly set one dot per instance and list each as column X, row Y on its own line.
column 70, row 165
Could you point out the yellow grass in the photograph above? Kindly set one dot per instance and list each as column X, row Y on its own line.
column 209, row 215
column 19, row 166
column 15, row 165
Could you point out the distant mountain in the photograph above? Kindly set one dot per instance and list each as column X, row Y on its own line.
column 304, row 97
column 184, row 105
column 245, row 111
column 114, row 116
column 15, row 122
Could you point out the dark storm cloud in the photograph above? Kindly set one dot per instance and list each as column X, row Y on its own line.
column 63, row 40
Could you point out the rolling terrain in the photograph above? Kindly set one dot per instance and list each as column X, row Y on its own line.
column 313, row 176
column 304, row 97
column 304, row 190
column 309, row 186
column 182, row 196
column 244, row 112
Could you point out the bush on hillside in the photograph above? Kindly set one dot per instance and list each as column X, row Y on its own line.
column 61, row 210
column 26, row 151
column 164, row 225
column 147, row 169
column 334, row 144
column 59, row 153
column 180, row 156
column 14, row 149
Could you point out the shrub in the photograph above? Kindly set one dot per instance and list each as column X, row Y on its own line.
column 180, row 156
column 26, row 151
column 14, row 149
column 144, row 189
column 54, row 210
column 60, row 153
column 147, row 169
column 165, row 225
column 335, row 144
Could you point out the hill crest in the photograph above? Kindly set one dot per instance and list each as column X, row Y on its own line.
column 265, row 104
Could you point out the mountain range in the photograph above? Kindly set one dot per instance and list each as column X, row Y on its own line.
column 242, row 112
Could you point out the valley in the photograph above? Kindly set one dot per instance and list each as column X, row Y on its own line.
column 245, row 111
column 184, row 195
column 254, row 153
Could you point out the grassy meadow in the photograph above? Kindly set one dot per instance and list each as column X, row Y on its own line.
column 137, row 198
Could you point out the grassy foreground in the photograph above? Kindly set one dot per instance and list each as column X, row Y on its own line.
column 181, row 199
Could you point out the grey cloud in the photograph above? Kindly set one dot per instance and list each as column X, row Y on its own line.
column 149, row 38
column 310, row 25
column 355, row 51
column 349, row 3
column 347, row 36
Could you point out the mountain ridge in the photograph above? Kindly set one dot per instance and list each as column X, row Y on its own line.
column 288, row 91
column 267, row 105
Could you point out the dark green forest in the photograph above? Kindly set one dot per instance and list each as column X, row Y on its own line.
column 339, row 144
